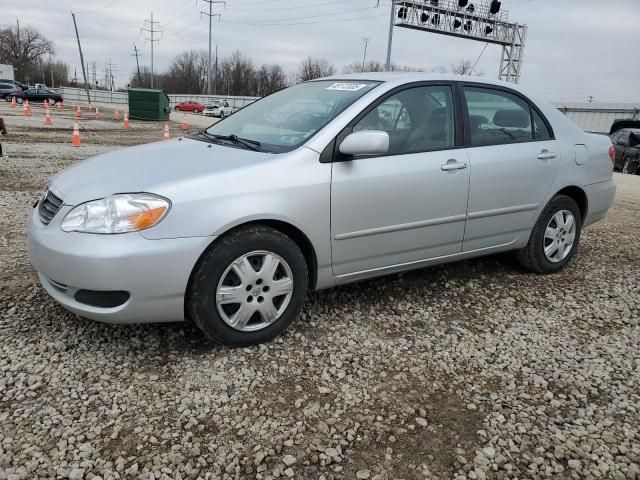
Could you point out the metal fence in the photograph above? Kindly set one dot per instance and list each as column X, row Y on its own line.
column 598, row 117
column 591, row 117
column 122, row 98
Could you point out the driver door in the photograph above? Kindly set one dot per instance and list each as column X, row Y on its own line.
column 410, row 204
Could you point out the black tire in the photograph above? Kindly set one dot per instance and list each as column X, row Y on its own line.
column 196, row 111
column 532, row 256
column 201, row 297
column 177, row 109
column 221, row 114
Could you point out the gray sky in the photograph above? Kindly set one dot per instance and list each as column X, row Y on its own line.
column 575, row 48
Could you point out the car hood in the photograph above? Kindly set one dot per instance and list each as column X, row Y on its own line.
column 154, row 168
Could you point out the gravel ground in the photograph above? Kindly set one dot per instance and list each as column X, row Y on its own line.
column 472, row 370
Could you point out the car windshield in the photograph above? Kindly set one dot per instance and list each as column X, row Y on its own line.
column 284, row 120
column 214, row 104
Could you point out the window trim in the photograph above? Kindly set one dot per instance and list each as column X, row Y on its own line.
column 332, row 154
column 500, row 88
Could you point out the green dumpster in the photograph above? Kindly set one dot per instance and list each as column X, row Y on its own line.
column 148, row 104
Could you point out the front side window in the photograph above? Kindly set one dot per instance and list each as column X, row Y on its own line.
column 417, row 119
column 286, row 119
column 497, row 117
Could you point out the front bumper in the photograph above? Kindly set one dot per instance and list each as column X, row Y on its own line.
column 155, row 273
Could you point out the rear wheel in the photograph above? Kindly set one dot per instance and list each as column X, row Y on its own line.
column 249, row 287
column 222, row 114
column 196, row 110
column 555, row 237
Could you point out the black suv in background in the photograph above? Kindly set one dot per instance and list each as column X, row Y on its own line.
column 626, row 141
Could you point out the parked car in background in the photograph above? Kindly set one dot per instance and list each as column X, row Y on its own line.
column 218, row 108
column 189, row 106
column 21, row 86
column 626, row 142
column 36, row 95
column 8, row 89
column 312, row 187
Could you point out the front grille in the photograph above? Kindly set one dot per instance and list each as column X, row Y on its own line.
column 48, row 207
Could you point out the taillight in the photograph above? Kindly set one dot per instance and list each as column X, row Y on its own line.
column 612, row 153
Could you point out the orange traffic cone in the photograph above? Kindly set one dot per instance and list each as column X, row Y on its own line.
column 98, row 113
column 76, row 133
column 166, row 135
column 78, row 112
column 25, row 108
column 126, row 119
column 116, row 114
column 184, row 121
column 13, row 102
column 47, row 116
column 59, row 106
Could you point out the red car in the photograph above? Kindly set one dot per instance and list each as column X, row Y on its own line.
column 189, row 106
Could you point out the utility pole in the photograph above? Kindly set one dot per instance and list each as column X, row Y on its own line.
column 108, row 70
column 136, row 53
column 210, row 15
column 387, row 65
column 151, row 30
column 18, row 43
column 84, row 73
column 590, row 97
column 365, row 43
column 215, row 84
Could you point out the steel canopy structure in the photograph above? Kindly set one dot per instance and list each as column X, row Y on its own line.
column 481, row 21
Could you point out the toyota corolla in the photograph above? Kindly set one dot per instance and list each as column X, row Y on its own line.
column 323, row 183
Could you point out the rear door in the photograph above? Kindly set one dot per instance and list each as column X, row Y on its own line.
column 514, row 160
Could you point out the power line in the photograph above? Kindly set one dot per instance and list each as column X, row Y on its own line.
column 338, row 20
column 478, row 59
column 304, row 17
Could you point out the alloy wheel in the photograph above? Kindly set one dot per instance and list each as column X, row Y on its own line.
column 559, row 236
column 254, row 291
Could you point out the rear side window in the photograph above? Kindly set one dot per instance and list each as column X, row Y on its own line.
column 418, row 119
column 541, row 131
column 498, row 117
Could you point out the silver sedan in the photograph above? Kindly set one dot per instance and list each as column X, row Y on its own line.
column 324, row 183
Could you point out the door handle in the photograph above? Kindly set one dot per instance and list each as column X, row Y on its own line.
column 546, row 155
column 453, row 165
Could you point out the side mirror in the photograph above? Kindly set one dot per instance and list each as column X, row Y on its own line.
column 621, row 142
column 365, row 142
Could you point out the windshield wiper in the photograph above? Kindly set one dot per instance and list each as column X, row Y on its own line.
column 251, row 144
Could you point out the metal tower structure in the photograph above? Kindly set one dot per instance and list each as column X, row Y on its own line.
column 483, row 21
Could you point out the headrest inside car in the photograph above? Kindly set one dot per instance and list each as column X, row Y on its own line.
column 511, row 118
column 477, row 120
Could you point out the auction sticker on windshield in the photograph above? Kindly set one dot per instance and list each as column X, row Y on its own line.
column 347, row 86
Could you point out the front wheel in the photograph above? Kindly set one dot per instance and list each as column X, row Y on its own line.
column 555, row 237
column 248, row 287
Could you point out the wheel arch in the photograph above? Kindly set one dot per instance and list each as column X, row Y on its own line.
column 579, row 196
column 291, row 231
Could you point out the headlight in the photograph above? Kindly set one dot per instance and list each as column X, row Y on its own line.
column 117, row 214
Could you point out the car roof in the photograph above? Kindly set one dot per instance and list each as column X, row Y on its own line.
column 410, row 77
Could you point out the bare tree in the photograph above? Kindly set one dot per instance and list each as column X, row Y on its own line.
column 311, row 68
column 462, row 68
column 25, row 50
